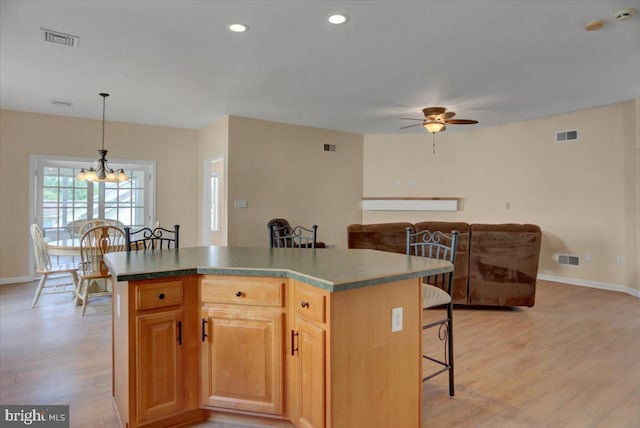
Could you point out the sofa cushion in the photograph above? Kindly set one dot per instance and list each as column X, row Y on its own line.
column 390, row 237
column 503, row 264
column 461, row 275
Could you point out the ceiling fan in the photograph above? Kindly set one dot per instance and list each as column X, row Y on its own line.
column 436, row 119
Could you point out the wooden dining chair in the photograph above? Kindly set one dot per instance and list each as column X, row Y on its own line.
column 147, row 239
column 94, row 244
column 437, row 292
column 99, row 222
column 49, row 271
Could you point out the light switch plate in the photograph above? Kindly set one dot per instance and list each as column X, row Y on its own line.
column 396, row 319
column 240, row 203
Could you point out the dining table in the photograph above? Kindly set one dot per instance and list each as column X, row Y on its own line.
column 64, row 247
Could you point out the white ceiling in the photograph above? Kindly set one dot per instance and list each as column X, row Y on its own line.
column 174, row 63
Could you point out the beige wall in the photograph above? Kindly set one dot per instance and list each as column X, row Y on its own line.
column 213, row 142
column 637, row 219
column 283, row 171
column 23, row 134
column 577, row 192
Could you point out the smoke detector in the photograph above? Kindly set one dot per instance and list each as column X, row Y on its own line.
column 623, row 14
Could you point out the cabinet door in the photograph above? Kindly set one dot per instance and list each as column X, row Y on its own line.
column 310, row 375
column 159, row 368
column 243, row 359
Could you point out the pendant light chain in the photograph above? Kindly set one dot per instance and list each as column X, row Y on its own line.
column 104, row 99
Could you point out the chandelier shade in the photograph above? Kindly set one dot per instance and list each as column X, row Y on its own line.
column 102, row 172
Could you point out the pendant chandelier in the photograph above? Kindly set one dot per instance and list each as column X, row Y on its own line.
column 102, row 172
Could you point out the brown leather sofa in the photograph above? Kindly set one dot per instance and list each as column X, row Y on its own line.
column 496, row 264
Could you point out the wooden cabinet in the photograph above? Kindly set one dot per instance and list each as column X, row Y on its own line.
column 242, row 357
column 159, row 364
column 186, row 348
column 310, row 375
column 308, row 356
column 156, row 350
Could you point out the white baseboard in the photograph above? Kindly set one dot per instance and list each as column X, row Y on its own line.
column 592, row 284
column 17, row 279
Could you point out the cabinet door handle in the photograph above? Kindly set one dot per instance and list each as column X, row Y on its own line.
column 238, row 293
column 161, row 296
column 293, row 347
column 304, row 304
column 204, row 329
column 180, row 333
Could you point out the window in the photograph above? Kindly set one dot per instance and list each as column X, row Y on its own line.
column 214, row 203
column 62, row 203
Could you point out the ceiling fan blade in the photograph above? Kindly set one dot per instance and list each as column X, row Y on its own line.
column 411, row 118
column 445, row 116
column 410, row 126
column 431, row 111
column 461, row 122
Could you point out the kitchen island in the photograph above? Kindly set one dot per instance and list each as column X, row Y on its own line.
column 294, row 334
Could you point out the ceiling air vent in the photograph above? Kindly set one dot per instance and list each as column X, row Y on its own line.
column 566, row 136
column 566, row 259
column 60, row 38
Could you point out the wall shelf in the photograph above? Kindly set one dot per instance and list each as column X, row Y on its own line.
column 409, row 204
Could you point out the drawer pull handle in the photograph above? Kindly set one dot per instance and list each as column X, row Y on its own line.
column 179, row 332
column 304, row 304
column 204, row 327
column 238, row 293
column 161, row 296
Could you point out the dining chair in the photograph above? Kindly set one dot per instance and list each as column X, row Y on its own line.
column 437, row 292
column 282, row 235
column 50, row 271
column 94, row 244
column 99, row 222
column 146, row 239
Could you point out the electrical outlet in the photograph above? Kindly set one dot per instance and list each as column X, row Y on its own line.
column 620, row 260
column 396, row 319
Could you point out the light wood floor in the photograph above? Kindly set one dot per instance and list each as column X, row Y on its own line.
column 571, row 361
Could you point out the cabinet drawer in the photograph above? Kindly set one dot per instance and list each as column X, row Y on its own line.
column 243, row 290
column 158, row 295
column 309, row 304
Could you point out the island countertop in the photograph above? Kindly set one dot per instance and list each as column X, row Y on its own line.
column 327, row 268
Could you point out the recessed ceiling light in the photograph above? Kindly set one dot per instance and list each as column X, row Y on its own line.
column 338, row 19
column 238, row 28
column 594, row 25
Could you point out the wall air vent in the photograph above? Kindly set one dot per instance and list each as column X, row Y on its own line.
column 61, row 103
column 568, row 260
column 566, row 136
column 60, row 38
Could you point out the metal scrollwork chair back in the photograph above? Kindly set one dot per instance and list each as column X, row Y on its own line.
column 147, row 239
column 282, row 235
column 437, row 291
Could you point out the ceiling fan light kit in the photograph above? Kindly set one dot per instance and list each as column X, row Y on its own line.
column 434, row 126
